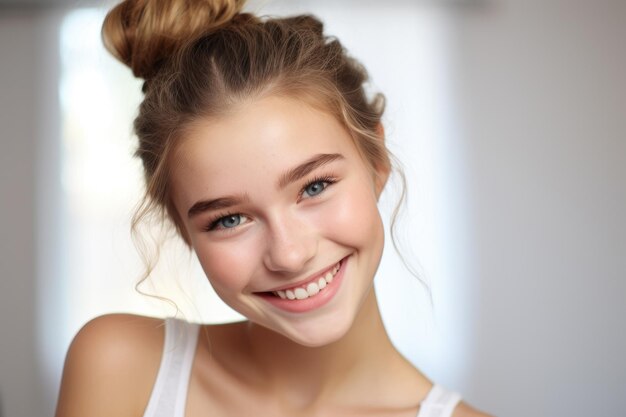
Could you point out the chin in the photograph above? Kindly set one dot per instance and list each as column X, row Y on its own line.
column 318, row 334
column 319, row 339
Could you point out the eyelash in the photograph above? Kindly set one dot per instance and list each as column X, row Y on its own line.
column 214, row 221
column 328, row 179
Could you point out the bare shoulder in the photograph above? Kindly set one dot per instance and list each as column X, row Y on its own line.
column 465, row 410
column 111, row 367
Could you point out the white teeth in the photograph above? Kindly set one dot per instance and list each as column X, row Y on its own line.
column 312, row 289
column 301, row 293
column 321, row 283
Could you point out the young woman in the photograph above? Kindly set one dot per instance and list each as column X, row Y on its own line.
column 261, row 147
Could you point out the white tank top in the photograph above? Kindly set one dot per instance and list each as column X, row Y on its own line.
column 169, row 393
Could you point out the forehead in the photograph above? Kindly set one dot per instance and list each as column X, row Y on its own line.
column 254, row 143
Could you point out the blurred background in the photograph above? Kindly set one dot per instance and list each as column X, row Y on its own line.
column 509, row 118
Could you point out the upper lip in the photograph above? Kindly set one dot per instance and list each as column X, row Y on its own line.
column 311, row 277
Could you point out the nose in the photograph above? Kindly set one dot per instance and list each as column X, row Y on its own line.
column 290, row 244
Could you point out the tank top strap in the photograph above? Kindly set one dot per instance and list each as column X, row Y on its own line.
column 169, row 394
column 439, row 403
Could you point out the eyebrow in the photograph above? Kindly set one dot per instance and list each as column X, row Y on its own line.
column 216, row 204
column 306, row 167
column 292, row 175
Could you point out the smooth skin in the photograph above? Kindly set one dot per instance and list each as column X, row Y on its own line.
column 270, row 229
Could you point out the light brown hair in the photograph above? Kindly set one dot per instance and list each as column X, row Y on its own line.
column 200, row 58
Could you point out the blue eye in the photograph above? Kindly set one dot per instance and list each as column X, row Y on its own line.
column 315, row 188
column 230, row 221
column 227, row 222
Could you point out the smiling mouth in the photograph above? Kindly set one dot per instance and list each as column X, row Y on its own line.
column 309, row 289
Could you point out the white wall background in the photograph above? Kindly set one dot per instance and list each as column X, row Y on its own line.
column 29, row 129
column 526, row 194
column 17, row 269
column 542, row 88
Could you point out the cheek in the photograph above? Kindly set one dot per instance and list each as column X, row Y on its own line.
column 353, row 219
column 225, row 266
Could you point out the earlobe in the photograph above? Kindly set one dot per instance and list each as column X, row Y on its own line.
column 381, row 177
column 383, row 167
column 380, row 131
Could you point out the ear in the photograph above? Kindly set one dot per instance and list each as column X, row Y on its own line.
column 383, row 168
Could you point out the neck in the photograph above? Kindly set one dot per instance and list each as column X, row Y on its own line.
column 308, row 375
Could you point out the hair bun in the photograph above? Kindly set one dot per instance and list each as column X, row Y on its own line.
column 143, row 34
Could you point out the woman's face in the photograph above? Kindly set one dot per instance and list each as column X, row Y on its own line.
column 281, row 211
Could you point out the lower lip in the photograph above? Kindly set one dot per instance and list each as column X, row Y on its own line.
column 311, row 303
